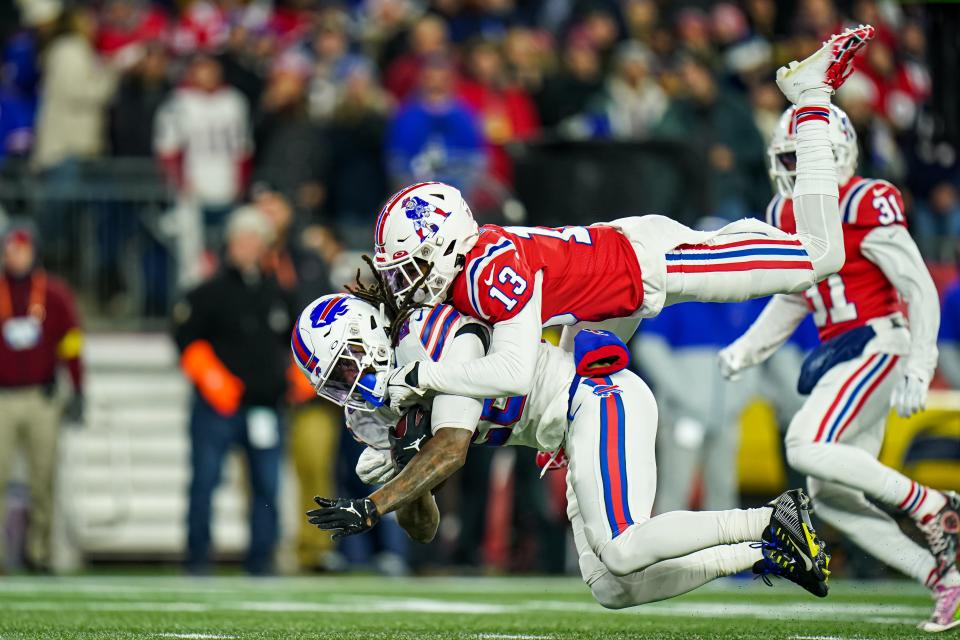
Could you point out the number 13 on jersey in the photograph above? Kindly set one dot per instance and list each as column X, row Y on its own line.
column 511, row 286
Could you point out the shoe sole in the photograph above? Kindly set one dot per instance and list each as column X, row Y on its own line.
column 840, row 60
column 933, row 627
column 843, row 52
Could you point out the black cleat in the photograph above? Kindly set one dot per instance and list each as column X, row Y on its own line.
column 777, row 563
column 791, row 533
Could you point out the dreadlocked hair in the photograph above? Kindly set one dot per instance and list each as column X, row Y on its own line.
column 378, row 294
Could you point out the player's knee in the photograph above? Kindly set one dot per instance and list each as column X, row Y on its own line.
column 830, row 262
column 621, row 561
column 611, row 593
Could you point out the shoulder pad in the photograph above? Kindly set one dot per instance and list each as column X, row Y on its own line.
column 872, row 203
column 427, row 333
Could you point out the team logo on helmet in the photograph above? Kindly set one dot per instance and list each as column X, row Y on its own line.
column 606, row 390
column 417, row 209
column 326, row 313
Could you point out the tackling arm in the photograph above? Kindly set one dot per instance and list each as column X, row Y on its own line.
column 775, row 324
column 439, row 458
column 453, row 422
column 509, row 368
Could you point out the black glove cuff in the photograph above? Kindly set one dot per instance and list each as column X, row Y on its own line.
column 413, row 376
column 371, row 510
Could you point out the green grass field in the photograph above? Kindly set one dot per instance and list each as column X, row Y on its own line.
column 474, row 608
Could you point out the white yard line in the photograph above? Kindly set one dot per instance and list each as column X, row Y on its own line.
column 195, row 636
column 886, row 614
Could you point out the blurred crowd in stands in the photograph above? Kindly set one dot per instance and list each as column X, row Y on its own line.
column 333, row 104
column 308, row 113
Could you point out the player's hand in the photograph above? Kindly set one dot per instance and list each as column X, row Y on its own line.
column 376, row 466
column 910, row 395
column 408, row 435
column 731, row 364
column 402, row 387
column 344, row 516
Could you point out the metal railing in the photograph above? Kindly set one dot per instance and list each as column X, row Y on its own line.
column 106, row 227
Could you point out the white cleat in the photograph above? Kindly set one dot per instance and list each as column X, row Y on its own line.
column 945, row 613
column 827, row 68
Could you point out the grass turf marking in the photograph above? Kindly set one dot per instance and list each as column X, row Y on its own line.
column 195, row 636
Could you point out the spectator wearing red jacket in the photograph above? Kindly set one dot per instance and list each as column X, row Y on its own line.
column 429, row 38
column 40, row 333
column 129, row 22
column 506, row 112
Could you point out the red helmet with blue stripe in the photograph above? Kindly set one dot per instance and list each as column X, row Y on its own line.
column 422, row 233
column 340, row 343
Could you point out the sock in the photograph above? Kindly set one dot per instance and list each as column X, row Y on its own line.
column 816, row 173
column 921, row 503
column 949, row 579
column 816, row 203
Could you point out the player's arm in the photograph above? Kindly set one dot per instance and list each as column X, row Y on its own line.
column 453, row 422
column 439, row 458
column 774, row 326
column 896, row 254
column 508, row 368
column 420, row 519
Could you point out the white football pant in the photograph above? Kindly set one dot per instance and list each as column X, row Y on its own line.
column 626, row 556
column 834, row 440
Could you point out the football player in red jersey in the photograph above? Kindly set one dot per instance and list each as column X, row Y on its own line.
column 520, row 279
column 870, row 359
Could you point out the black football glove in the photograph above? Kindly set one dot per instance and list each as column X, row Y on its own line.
column 409, row 435
column 344, row 516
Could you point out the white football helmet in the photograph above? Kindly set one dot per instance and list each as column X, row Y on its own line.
column 340, row 343
column 782, row 151
column 424, row 226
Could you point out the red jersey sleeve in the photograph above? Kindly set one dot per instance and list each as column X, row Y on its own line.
column 498, row 282
column 873, row 203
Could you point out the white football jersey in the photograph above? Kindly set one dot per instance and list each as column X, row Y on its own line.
column 212, row 132
column 537, row 420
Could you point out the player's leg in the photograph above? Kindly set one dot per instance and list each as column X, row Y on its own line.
column 749, row 259
column 659, row 581
column 835, row 438
column 872, row 530
column 611, row 445
column 850, row 401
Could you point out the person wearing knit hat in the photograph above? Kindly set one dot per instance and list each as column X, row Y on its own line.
column 39, row 334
